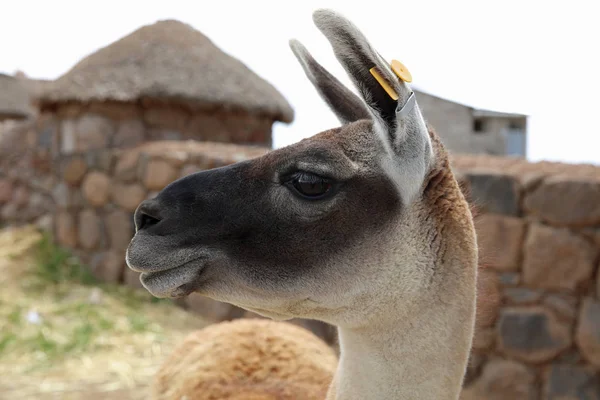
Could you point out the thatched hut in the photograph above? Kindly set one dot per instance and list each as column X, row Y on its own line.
column 163, row 81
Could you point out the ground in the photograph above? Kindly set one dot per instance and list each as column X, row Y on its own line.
column 64, row 336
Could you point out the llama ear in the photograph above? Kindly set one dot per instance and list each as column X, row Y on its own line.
column 362, row 62
column 391, row 101
column 347, row 106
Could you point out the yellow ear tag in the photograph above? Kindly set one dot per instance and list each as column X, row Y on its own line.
column 401, row 71
column 384, row 84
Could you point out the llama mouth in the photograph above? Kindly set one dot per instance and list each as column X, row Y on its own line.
column 174, row 282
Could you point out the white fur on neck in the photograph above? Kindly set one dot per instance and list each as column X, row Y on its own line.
column 416, row 354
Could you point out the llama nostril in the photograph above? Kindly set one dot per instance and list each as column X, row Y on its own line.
column 147, row 215
column 147, row 221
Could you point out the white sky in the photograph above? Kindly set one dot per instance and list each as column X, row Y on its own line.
column 535, row 57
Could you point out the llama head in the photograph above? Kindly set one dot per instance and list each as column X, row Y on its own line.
column 334, row 227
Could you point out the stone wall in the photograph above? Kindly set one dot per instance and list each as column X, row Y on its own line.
column 77, row 127
column 538, row 228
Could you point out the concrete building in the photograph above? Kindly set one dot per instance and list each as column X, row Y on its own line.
column 466, row 129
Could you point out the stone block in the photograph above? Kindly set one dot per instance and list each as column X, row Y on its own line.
column 68, row 136
column 166, row 117
column 158, row 174
column 108, row 266
column 89, row 229
column 6, row 190
column 9, row 212
column 571, row 382
column 206, row 127
column 66, row 229
column 532, row 334
column 565, row 201
column 21, row 196
column 563, row 305
column 588, row 331
column 120, row 229
column 522, row 296
column 101, row 160
column 127, row 166
column 96, row 188
column 74, row 170
column 503, row 380
column 66, row 197
column 93, row 132
column 555, row 258
column 499, row 239
column 130, row 133
column 128, row 196
column 494, row 193
column 509, row 278
column 211, row 309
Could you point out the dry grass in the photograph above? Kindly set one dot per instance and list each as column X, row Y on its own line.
column 64, row 337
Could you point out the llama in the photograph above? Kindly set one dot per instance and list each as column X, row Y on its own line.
column 362, row 226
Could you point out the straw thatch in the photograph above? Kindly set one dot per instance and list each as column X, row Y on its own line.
column 14, row 98
column 168, row 60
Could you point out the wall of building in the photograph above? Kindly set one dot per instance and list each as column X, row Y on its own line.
column 539, row 239
column 454, row 123
column 80, row 127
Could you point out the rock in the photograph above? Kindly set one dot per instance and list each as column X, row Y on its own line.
column 563, row 305
column 90, row 229
column 45, row 223
column 68, row 136
column 499, row 240
column 74, row 171
column 522, row 296
column 565, row 201
column 6, row 190
column 166, row 117
column 158, row 174
column 66, row 197
column 557, row 259
column 120, row 228
column 108, row 266
column 211, row 309
column 21, row 196
column 9, row 212
column 509, row 278
column 130, row 133
column 66, row 229
column 570, row 382
column 494, row 193
column 101, row 160
column 532, row 334
column 128, row 196
column 96, row 188
column 93, row 132
column 127, row 166
column 588, row 331
column 502, row 380
column 207, row 127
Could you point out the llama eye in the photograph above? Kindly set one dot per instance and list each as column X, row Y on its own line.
column 310, row 186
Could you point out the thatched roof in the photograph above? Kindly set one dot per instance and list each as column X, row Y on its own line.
column 168, row 60
column 14, row 98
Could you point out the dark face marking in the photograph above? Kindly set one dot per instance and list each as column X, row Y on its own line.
column 244, row 220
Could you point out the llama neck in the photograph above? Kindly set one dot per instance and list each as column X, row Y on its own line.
column 419, row 357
